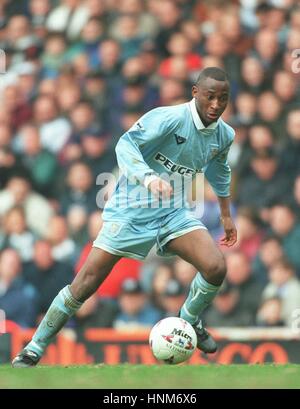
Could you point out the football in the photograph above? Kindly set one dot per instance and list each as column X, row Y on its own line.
column 172, row 340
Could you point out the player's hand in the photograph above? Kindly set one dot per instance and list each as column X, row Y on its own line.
column 161, row 188
column 230, row 237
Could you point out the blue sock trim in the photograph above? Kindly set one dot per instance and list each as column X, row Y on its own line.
column 202, row 283
column 62, row 308
column 68, row 301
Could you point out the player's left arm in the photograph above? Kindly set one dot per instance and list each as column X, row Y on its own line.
column 230, row 237
column 218, row 174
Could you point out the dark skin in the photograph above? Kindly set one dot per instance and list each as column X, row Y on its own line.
column 211, row 100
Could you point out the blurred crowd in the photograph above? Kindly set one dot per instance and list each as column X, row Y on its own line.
column 79, row 74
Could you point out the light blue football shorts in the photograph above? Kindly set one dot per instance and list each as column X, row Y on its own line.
column 135, row 240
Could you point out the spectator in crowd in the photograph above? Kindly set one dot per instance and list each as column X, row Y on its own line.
column 296, row 196
column 270, row 112
column 77, row 220
column 147, row 23
column 284, row 285
column 230, row 28
column 46, row 274
column 169, row 15
column 172, row 298
column 95, row 313
column 18, row 192
column 27, row 78
column 41, row 164
column 109, row 57
column 180, row 46
column 269, row 253
column 128, row 35
column 239, row 275
column 54, row 129
column 162, row 274
column 266, row 50
column 68, row 97
column 246, row 104
column 260, row 139
column 96, row 152
column 83, row 117
column 285, row 87
column 16, row 233
column 97, row 93
column 63, row 247
column 253, row 76
column 19, row 38
column 285, row 225
column 91, row 36
column 226, row 310
column 69, row 16
column 250, row 232
column 135, row 312
column 17, row 109
column 39, row 10
column 80, row 189
column 291, row 148
column 9, row 165
column 5, row 135
column 172, row 92
column 18, row 298
column 266, row 184
column 54, row 55
column 269, row 313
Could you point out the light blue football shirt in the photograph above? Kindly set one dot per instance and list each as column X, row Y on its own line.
column 171, row 142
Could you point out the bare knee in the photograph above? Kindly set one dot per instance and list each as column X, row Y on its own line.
column 94, row 271
column 215, row 271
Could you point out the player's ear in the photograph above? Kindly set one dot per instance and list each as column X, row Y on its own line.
column 194, row 91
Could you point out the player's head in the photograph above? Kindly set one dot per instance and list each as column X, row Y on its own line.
column 211, row 93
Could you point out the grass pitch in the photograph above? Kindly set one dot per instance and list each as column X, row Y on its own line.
column 154, row 376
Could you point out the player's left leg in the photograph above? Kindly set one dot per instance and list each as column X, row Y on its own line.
column 94, row 271
column 198, row 248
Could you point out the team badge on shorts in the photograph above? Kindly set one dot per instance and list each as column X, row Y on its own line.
column 114, row 229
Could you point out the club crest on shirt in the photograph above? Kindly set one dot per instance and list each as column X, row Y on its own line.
column 214, row 152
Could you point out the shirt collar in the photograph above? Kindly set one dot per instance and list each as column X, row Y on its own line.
column 196, row 118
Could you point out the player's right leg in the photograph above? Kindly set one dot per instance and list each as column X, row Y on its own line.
column 96, row 268
column 198, row 248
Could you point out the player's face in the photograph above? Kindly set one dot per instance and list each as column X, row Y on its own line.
column 211, row 99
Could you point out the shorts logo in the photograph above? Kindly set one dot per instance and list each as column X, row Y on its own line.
column 115, row 229
column 174, row 167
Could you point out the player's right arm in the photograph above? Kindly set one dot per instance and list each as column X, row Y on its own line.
column 152, row 128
